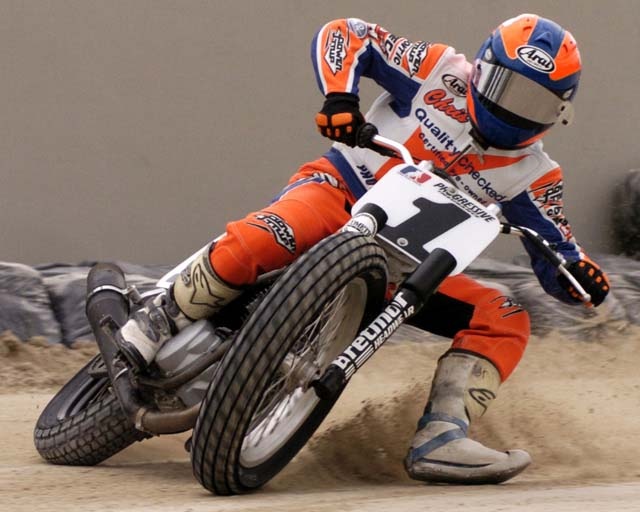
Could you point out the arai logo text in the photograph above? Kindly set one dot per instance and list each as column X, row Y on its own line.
column 536, row 58
column 455, row 85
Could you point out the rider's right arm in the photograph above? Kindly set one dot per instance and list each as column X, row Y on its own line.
column 344, row 50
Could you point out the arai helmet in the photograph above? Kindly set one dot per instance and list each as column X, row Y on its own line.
column 523, row 80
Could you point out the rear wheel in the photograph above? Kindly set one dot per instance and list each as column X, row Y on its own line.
column 84, row 424
column 260, row 410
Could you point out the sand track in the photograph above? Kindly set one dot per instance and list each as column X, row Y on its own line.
column 573, row 405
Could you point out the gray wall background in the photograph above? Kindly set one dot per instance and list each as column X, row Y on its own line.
column 135, row 130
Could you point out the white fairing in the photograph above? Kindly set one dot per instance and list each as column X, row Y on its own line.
column 449, row 219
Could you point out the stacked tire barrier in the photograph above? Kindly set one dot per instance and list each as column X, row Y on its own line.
column 49, row 300
column 626, row 215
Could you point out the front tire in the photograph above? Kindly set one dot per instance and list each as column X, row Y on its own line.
column 259, row 410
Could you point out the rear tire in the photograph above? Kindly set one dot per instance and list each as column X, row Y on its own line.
column 256, row 416
column 84, row 424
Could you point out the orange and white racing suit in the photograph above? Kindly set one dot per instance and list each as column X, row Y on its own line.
column 424, row 106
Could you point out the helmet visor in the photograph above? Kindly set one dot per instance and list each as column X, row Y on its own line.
column 518, row 95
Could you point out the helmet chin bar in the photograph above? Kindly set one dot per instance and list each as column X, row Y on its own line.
column 481, row 143
column 478, row 138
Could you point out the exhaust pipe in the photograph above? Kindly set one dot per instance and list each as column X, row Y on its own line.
column 107, row 310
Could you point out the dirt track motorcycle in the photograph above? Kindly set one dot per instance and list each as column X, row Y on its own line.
column 255, row 381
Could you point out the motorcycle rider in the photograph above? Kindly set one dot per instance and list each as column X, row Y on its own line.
column 497, row 109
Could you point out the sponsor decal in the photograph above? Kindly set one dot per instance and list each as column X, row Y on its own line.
column 395, row 48
column 366, row 175
column 469, row 191
column 536, row 58
column 415, row 174
column 441, row 145
column 388, row 41
column 486, row 186
column 281, row 231
column 509, row 304
column 438, row 133
column 549, row 194
column 463, row 202
column 323, row 177
column 401, row 48
column 370, row 339
column 464, row 166
column 482, row 395
column 437, row 98
column 416, row 55
column 335, row 52
column 548, row 197
column 358, row 27
column 455, row 85
column 363, row 223
column 196, row 278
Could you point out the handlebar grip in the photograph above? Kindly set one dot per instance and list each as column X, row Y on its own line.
column 364, row 139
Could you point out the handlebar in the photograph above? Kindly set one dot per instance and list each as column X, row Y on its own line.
column 555, row 258
column 368, row 137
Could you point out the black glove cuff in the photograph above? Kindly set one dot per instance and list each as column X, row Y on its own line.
column 341, row 102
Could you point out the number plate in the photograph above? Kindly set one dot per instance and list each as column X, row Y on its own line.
column 425, row 212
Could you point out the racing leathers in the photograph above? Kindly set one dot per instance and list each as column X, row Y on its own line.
column 424, row 105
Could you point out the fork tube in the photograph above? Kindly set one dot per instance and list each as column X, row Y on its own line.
column 414, row 292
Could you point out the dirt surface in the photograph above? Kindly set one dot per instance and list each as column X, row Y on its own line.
column 573, row 405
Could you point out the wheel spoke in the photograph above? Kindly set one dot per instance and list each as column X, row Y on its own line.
column 289, row 383
column 322, row 328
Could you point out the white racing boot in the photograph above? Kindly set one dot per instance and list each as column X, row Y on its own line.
column 197, row 293
column 463, row 387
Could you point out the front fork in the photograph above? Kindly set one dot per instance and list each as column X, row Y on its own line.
column 411, row 296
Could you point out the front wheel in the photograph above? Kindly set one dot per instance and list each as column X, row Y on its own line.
column 260, row 410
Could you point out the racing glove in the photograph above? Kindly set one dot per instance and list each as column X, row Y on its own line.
column 592, row 279
column 340, row 118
